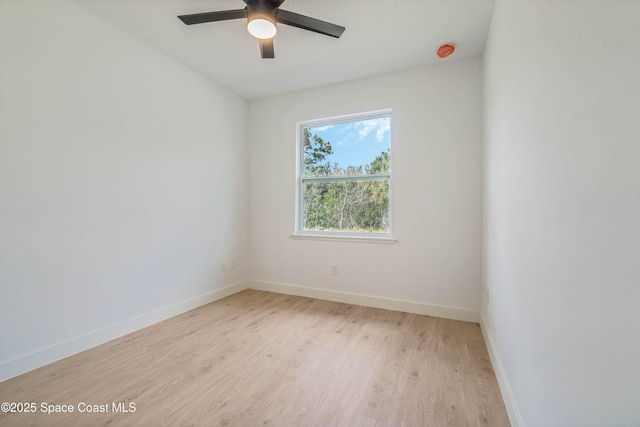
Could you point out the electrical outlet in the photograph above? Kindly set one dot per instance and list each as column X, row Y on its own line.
column 223, row 267
column 334, row 270
column 233, row 264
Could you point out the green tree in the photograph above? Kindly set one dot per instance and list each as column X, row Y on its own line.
column 382, row 163
column 316, row 151
column 358, row 205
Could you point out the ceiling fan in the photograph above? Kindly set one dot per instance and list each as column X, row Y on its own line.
column 262, row 16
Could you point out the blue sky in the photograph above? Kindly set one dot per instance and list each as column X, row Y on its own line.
column 356, row 143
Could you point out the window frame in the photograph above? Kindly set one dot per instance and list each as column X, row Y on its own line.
column 299, row 231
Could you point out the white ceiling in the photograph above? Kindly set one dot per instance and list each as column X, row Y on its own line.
column 381, row 36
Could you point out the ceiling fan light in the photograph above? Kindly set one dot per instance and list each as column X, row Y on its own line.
column 262, row 28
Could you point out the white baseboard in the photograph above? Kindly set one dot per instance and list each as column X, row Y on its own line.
column 515, row 416
column 14, row 367
column 368, row 300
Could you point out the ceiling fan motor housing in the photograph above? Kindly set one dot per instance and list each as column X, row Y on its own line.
column 261, row 9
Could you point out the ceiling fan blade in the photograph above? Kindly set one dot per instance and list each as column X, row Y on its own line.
column 223, row 15
column 266, row 48
column 277, row 3
column 308, row 23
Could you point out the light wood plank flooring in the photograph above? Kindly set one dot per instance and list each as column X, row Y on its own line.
column 265, row 359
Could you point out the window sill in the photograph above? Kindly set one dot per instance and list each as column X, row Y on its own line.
column 352, row 239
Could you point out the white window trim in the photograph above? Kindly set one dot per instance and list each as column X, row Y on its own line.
column 341, row 238
column 299, row 232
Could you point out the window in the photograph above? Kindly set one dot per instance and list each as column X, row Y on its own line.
column 344, row 176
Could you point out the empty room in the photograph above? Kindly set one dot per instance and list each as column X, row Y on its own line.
column 320, row 213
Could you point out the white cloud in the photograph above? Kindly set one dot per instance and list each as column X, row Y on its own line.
column 385, row 127
column 380, row 126
column 355, row 132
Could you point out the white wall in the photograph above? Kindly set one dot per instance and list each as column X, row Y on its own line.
column 562, row 162
column 123, row 183
column 437, row 191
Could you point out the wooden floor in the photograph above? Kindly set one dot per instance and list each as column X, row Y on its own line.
column 265, row 359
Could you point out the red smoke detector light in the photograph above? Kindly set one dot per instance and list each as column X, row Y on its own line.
column 445, row 50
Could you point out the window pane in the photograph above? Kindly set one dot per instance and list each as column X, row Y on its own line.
column 360, row 206
column 347, row 149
